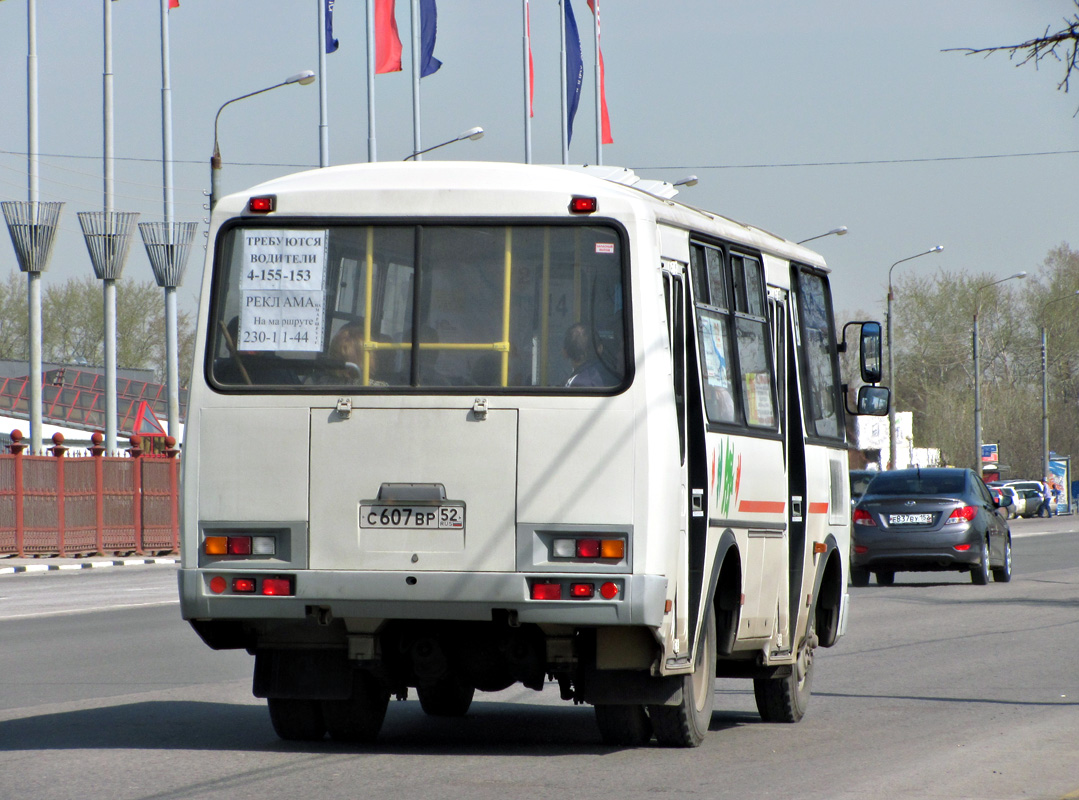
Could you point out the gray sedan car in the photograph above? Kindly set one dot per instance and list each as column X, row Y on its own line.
column 914, row 520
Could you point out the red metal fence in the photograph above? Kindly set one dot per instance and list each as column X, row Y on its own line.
column 96, row 504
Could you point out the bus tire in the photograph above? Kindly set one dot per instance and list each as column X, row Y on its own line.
column 624, row 726
column 446, row 698
column 859, row 576
column 359, row 717
column 685, row 724
column 786, row 699
column 296, row 720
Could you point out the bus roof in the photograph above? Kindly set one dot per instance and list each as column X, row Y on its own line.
column 462, row 188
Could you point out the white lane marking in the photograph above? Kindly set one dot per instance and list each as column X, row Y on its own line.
column 69, row 611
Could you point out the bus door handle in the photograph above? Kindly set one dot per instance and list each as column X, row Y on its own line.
column 344, row 407
column 696, row 502
column 479, row 408
column 796, row 509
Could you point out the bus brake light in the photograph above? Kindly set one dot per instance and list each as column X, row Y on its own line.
column 277, row 586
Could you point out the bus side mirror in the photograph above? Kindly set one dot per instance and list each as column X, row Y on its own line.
column 873, row 401
column 871, row 352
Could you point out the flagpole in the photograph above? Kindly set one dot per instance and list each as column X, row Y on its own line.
column 371, row 148
column 565, row 99
column 528, row 81
column 599, row 110
column 33, row 277
column 323, row 120
column 416, row 146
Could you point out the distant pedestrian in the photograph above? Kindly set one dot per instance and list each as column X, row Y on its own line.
column 1045, row 509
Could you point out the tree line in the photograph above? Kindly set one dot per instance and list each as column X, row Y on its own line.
column 933, row 351
column 73, row 324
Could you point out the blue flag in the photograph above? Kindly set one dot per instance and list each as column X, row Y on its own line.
column 428, row 28
column 331, row 43
column 574, row 68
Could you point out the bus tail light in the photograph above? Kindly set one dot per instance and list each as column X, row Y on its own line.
column 243, row 586
column 582, row 590
column 240, row 545
column 589, row 548
column 546, row 591
column 277, row 586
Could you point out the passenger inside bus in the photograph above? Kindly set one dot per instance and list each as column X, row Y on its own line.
column 588, row 367
column 348, row 346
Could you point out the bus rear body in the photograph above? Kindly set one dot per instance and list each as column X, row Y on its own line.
column 458, row 426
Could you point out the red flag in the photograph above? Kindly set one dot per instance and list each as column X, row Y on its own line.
column 174, row 3
column 387, row 40
column 606, row 120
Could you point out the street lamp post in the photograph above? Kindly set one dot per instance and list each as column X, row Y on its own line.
column 891, row 357
column 840, row 231
column 471, row 133
column 1045, row 384
column 302, row 78
column 977, row 375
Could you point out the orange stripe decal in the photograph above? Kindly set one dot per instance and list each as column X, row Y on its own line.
column 818, row 508
column 761, row 506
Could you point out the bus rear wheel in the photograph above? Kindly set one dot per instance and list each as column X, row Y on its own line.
column 447, row 698
column 296, row 720
column 685, row 724
column 786, row 699
column 624, row 726
column 359, row 717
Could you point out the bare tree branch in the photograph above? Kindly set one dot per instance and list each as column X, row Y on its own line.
column 1060, row 45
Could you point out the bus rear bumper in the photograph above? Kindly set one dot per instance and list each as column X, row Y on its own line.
column 477, row 596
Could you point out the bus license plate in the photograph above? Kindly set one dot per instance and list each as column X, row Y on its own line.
column 414, row 518
column 910, row 519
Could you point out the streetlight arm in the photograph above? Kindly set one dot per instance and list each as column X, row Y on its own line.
column 302, row 78
column 936, row 249
column 471, row 133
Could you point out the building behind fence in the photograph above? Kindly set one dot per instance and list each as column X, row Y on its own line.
column 95, row 504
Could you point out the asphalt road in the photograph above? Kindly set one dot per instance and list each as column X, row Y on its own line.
column 940, row 689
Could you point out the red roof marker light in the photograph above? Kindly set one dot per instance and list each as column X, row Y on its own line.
column 262, row 205
column 583, row 205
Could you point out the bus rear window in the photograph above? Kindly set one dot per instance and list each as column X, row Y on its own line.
column 439, row 307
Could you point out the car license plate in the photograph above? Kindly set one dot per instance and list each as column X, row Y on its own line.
column 433, row 517
column 910, row 519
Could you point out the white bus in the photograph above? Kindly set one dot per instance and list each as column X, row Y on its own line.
column 457, row 426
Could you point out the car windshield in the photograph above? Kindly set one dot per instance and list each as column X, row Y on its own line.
column 896, row 484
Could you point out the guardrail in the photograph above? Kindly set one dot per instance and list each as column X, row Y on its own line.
column 66, row 505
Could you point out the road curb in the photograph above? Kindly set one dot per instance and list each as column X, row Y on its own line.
column 97, row 564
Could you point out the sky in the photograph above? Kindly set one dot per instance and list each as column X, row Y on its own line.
column 797, row 117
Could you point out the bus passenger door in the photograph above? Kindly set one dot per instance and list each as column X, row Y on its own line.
column 688, row 580
column 796, row 470
column 692, row 438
